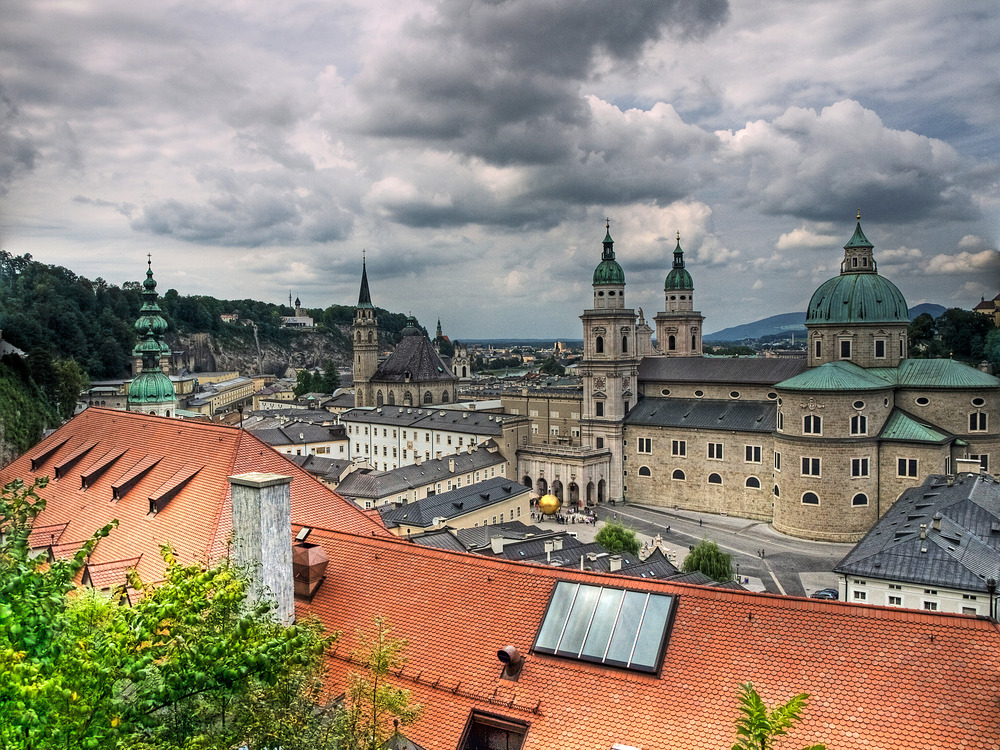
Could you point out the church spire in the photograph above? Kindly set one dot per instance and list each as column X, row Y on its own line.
column 858, row 257
column 365, row 298
column 151, row 390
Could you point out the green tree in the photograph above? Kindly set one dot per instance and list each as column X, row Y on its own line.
column 191, row 664
column 991, row 349
column 372, row 702
column 330, row 377
column 303, row 383
column 551, row 367
column 759, row 727
column 615, row 537
column 710, row 560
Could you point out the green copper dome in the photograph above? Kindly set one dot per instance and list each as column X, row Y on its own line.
column 858, row 294
column 151, row 387
column 411, row 329
column 678, row 279
column 608, row 271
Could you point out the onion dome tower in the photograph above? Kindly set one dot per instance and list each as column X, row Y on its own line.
column 858, row 316
column 151, row 391
column 365, row 340
column 679, row 326
column 610, row 368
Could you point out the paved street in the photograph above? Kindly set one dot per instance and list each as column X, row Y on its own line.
column 790, row 566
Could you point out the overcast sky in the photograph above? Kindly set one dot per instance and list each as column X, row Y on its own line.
column 474, row 149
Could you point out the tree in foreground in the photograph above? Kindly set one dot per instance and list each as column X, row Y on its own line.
column 372, row 703
column 758, row 728
column 191, row 664
column 615, row 537
column 707, row 558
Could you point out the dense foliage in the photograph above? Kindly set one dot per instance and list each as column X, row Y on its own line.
column 327, row 381
column 758, row 728
column 191, row 664
column 957, row 333
column 615, row 538
column 710, row 560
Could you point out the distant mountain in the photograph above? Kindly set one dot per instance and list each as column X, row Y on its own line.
column 794, row 323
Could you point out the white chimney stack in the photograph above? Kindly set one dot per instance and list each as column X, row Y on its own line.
column 616, row 563
column 262, row 538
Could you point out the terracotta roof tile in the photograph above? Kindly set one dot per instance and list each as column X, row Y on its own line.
column 151, row 453
column 878, row 677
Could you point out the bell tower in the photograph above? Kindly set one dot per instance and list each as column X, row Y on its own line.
column 679, row 326
column 365, row 342
column 610, row 366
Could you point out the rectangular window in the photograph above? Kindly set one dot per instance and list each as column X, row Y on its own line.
column 678, row 447
column 810, row 467
column 715, row 451
column 906, row 467
column 932, row 592
column 845, row 349
column 970, row 597
column 859, row 424
column 983, row 459
column 860, row 596
column 931, row 606
column 753, row 454
column 859, row 467
column 812, row 424
column 600, row 442
column 879, row 348
column 895, row 601
column 777, row 461
column 977, row 422
column 895, row 587
column 645, row 445
column 449, row 440
column 599, row 408
column 968, row 610
column 819, row 349
column 554, row 430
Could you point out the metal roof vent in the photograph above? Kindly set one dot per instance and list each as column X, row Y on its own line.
column 512, row 661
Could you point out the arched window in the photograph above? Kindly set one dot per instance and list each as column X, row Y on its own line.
column 693, row 344
column 392, row 398
column 810, row 498
column 671, row 343
column 599, row 345
column 860, row 499
column 527, row 481
column 644, row 471
column 465, row 371
column 624, row 343
column 445, row 397
column 753, row 483
column 369, row 337
column 378, row 398
column 428, row 399
column 678, row 475
column 714, row 478
column 407, row 399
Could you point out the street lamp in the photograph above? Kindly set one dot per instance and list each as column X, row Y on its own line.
column 738, row 579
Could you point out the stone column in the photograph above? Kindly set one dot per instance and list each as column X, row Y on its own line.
column 262, row 538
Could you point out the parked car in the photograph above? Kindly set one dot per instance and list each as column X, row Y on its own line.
column 825, row 594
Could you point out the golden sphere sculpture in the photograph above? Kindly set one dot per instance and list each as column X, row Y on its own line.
column 549, row 504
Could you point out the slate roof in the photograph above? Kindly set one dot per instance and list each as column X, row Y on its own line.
column 451, row 420
column 379, row 484
column 162, row 456
column 747, row 371
column 962, row 554
column 440, row 538
column 300, row 433
column 877, row 677
column 480, row 536
column 321, row 466
column 701, row 413
column 414, row 359
column 457, row 502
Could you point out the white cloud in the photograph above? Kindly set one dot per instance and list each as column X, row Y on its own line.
column 964, row 263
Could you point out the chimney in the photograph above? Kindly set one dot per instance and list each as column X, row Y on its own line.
column 451, row 465
column 262, row 538
column 937, row 522
column 616, row 563
column 557, row 543
column 923, row 531
column 496, row 544
column 309, row 562
column 549, row 546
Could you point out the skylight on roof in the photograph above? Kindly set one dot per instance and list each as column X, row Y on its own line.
column 606, row 625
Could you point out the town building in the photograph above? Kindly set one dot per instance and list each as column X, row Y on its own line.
column 936, row 549
column 989, row 308
column 300, row 319
column 305, row 439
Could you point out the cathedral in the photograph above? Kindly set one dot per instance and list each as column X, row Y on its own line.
column 820, row 446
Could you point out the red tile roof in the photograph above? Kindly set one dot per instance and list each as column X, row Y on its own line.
column 182, row 466
column 878, row 677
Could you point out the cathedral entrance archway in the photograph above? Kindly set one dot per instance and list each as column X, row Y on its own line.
column 590, row 493
column 574, row 494
column 600, row 491
column 542, row 485
column 557, row 489
column 526, row 481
